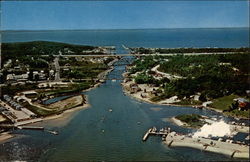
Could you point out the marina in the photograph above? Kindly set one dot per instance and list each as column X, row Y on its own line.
column 173, row 139
column 153, row 131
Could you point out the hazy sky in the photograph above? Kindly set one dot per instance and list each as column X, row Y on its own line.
column 43, row 15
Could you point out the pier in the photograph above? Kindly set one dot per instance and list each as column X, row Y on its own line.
column 153, row 131
column 30, row 127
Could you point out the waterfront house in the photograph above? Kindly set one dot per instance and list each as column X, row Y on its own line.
column 134, row 88
column 243, row 104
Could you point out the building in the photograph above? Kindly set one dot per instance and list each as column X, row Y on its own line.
column 12, row 103
column 134, row 88
column 13, row 77
column 242, row 103
column 28, row 112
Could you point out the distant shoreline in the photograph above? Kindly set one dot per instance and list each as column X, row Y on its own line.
column 46, row 30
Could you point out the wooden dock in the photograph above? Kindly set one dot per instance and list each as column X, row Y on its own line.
column 30, row 127
column 145, row 137
column 153, row 131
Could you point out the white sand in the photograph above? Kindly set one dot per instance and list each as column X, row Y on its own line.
column 241, row 151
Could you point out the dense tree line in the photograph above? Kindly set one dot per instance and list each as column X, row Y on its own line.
column 213, row 76
column 142, row 50
column 41, row 48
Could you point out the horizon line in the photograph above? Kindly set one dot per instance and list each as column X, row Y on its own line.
column 118, row 29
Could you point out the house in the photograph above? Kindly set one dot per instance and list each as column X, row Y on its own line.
column 134, row 88
column 242, row 103
column 28, row 112
column 13, row 77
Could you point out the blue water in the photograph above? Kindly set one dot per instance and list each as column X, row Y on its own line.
column 97, row 134
column 53, row 100
column 168, row 38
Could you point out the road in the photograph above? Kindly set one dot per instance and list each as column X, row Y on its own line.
column 162, row 54
column 57, row 67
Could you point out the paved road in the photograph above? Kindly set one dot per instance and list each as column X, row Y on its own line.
column 57, row 72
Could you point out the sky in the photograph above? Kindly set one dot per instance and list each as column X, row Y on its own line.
column 55, row 15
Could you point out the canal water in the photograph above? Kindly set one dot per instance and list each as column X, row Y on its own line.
column 98, row 134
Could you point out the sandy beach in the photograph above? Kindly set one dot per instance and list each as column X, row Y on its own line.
column 170, row 101
column 177, row 122
column 226, row 148
column 5, row 136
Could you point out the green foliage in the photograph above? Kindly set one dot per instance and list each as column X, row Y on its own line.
column 71, row 89
column 11, row 89
column 238, row 113
column 158, row 98
column 142, row 50
column 38, row 111
column 193, row 120
column 143, row 64
column 41, row 48
column 144, row 79
column 223, row 103
column 208, row 75
column 90, row 70
column 189, row 102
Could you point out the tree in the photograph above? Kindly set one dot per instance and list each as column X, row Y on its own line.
column 30, row 76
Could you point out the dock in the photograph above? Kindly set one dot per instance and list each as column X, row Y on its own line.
column 173, row 139
column 30, row 127
column 153, row 131
column 145, row 137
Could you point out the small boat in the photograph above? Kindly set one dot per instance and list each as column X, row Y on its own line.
column 52, row 132
column 113, row 80
column 110, row 110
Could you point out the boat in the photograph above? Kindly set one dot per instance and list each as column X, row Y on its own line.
column 110, row 110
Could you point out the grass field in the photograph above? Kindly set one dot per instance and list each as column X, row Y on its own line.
column 223, row 103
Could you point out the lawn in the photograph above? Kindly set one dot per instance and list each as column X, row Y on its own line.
column 223, row 103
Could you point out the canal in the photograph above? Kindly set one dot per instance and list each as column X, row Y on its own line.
column 98, row 134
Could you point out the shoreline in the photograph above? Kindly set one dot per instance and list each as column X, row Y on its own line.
column 177, row 122
column 173, row 104
column 65, row 115
column 6, row 136
column 225, row 148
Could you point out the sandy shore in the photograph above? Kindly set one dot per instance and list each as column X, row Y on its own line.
column 177, row 122
column 230, row 149
column 5, row 136
column 58, row 119
column 140, row 98
column 166, row 102
column 85, row 106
